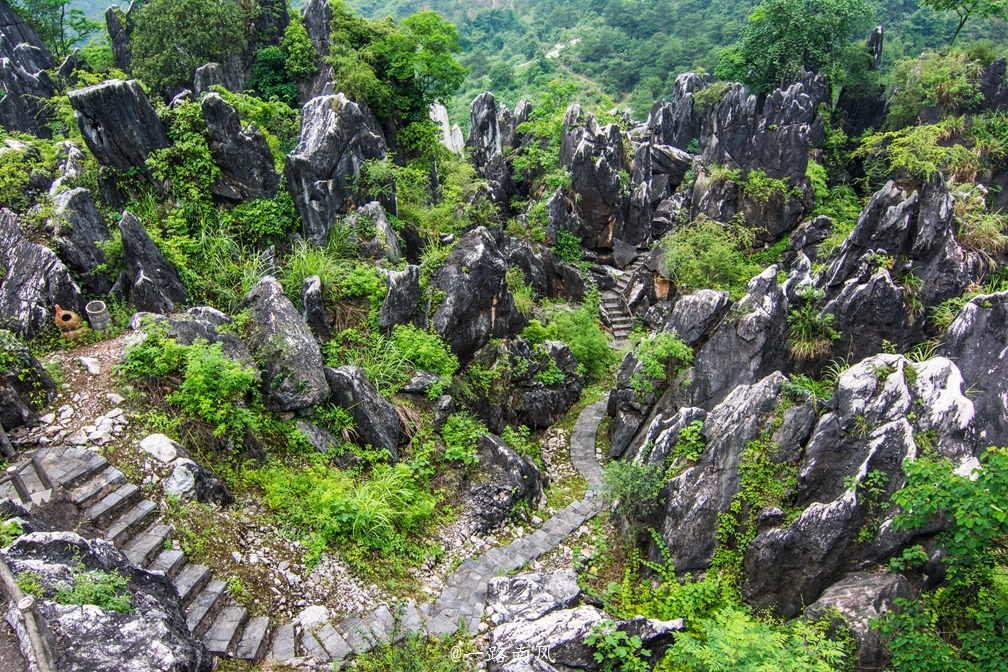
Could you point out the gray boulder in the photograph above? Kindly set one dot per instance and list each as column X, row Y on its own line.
column 119, row 37
column 374, row 232
column 860, row 598
column 402, row 299
column 80, row 228
column 725, row 200
column 505, row 478
column 477, row 304
column 198, row 323
column 563, row 633
column 22, row 109
column 25, row 387
column 154, row 284
column 531, row 595
column 316, row 17
column 561, row 214
column 375, row 421
column 190, row 481
column 694, row 314
column 775, row 140
column 976, row 341
column 118, row 123
column 487, row 143
column 246, row 161
column 678, row 122
column 35, row 281
column 327, row 444
column 868, row 311
column 288, row 356
column 230, row 76
column 548, row 276
column 336, row 139
column 152, row 637
column 696, row 498
column 594, row 156
column 313, row 309
column 17, row 31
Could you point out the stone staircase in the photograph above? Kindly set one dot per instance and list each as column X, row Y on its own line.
column 615, row 308
column 134, row 525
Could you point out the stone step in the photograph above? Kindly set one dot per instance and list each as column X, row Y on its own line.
column 222, row 638
column 190, row 581
column 9, row 491
column 205, row 607
column 284, row 644
column 30, row 479
column 170, row 562
column 70, row 467
column 96, row 487
column 333, row 642
column 315, row 650
column 111, row 505
column 252, row 645
column 128, row 524
column 148, row 544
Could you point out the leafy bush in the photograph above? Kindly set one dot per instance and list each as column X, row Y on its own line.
column 427, row 352
column 278, row 122
column 690, row 442
column 9, row 531
column 706, row 254
column 634, row 485
column 579, row 329
column 371, row 519
column 103, row 589
column 616, row 650
column 267, row 218
column 187, row 164
column 810, row 333
column 567, row 247
column 979, row 229
column 535, row 333
column 269, row 76
column 946, row 79
column 460, row 433
column 521, row 290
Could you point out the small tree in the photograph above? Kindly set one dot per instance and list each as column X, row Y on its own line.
column 783, row 36
column 964, row 9
column 58, row 26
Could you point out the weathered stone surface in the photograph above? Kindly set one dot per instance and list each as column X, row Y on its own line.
column 594, row 156
column 151, row 638
column 119, row 38
column 80, row 228
column 316, row 17
column 775, row 141
column 313, row 309
column 154, row 283
column 21, row 109
column 700, row 493
column 548, row 276
column 563, row 634
column 35, row 281
column 505, row 479
column 190, row 481
column 477, row 305
column 335, row 140
column 25, row 387
column 197, row 323
column 375, row 421
column 327, row 444
column 678, row 122
column 246, row 161
column 977, row 341
column 451, row 136
column 402, row 299
column 531, row 595
column 289, row 357
column 374, row 232
column 868, row 312
column 228, row 75
column 18, row 31
column 724, row 200
column 860, row 598
column 695, row 314
column 118, row 123
column 487, row 143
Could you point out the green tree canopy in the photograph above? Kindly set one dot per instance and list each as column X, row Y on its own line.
column 964, row 9
column 785, row 35
column 58, row 26
column 398, row 70
column 174, row 37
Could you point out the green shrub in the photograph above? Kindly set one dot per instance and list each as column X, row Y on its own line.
column 460, row 433
column 634, row 485
column 979, row 229
column 662, row 355
column 535, row 333
column 616, row 650
column 427, row 352
column 267, row 218
column 214, row 389
column 102, row 589
column 810, row 333
column 30, row 583
column 947, row 79
column 567, row 247
column 9, row 531
column 278, row 121
column 760, row 188
column 269, row 76
column 297, row 47
column 370, row 518
column 706, row 254
column 187, row 164
column 411, row 651
column 579, row 329
column 521, row 290
column 519, row 439
column 690, row 443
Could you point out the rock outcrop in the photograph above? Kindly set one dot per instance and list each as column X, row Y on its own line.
column 289, row 358
column 336, row 139
column 486, row 141
column 375, row 421
column 154, row 284
column 25, row 387
column 120, row 27
column 402, row 299
column 35, row 281
column 313, row 308
column 152, row 636
column 477, row 304
column 531, row 595
column 246, row 161
column 197, row 323
column 80, row 229
column 506, row 478
column 118, row 123
column 678, row 122
column 24, row 58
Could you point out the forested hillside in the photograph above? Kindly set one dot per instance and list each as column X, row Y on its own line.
column 295, row 372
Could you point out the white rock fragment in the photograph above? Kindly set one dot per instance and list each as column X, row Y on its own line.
column 92, row 365
column 160, row 447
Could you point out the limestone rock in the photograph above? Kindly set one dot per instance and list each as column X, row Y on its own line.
column 313, row 309
column 190, row 481
column 119, row 38
column 118, row 123
column 375, row 421
column 81, row 229
column 25, row 387
column 506, row 478
column 531, row 595
column 487, row 144
column 154, row 283
column 245, row 160
column 335, row 140
column 289, row 357
column 35, row 281
column 402, row 299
